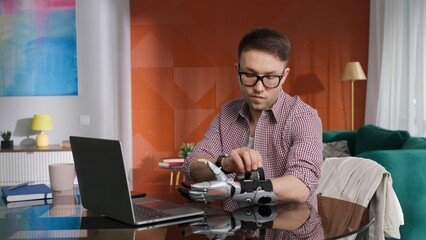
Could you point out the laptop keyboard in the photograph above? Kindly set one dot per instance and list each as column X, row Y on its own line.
column 144, row 212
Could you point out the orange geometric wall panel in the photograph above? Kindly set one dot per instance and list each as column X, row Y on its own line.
column 183, row 54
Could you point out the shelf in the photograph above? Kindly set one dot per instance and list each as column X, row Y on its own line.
column 19, row 148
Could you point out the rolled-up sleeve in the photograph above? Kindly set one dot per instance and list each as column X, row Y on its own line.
column 209, row 146
column 227, row 131
column 305, row 156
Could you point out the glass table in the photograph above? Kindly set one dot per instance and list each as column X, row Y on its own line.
column 64, row 218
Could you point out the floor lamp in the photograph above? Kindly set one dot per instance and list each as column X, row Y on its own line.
column 353, row 71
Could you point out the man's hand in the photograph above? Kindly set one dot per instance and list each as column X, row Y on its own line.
column 222, row 188
column 246, row 192
column 242, row 160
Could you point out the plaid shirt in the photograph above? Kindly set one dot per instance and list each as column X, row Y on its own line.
column 288, row 137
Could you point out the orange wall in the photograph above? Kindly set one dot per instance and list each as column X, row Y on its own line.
column 182, row 66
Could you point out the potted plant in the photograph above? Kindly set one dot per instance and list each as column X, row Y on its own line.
column 185, row 149
column 6, row 143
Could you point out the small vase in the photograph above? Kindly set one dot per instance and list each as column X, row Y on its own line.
column 7, row 144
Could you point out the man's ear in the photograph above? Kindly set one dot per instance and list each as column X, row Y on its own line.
column 285, row 75
column 236, row 67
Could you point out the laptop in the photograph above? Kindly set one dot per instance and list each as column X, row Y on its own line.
column 104, row 188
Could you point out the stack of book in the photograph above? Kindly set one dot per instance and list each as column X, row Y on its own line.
column 174, row 163
column 25, row 195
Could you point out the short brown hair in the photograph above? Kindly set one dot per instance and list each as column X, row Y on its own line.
column 267, row 40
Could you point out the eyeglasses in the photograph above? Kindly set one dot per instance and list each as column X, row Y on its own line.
column 268, row 81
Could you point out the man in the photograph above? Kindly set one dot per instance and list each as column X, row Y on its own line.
column 266, row 128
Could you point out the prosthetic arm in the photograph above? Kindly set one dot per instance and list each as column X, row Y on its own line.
column 246, row 192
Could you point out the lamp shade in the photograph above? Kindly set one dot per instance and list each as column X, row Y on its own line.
column 353, row 71
column 42, row 122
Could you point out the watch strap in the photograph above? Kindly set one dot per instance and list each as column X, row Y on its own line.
column 219, row 162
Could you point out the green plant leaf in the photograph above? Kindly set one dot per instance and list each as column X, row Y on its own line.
column 6, row 135
column 185, row 149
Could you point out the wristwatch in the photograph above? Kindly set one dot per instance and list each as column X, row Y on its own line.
column 219, row 161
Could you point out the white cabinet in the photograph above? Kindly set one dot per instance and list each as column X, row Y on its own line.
column 30, row 164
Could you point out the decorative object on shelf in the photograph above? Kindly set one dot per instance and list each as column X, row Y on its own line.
column 353, row 71
column 66, row 144
column 185, row 149
column 6, row 143
column 42, row 122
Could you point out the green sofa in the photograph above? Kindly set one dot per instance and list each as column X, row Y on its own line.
column 404, row 157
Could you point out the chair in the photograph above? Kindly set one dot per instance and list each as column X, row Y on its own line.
column 366, row 183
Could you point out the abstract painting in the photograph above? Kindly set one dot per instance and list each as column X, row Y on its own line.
column 38, row 52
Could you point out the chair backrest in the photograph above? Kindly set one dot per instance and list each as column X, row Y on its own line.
column 351, row 178
column 367, row 183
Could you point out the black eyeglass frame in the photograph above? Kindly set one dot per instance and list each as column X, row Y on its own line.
column 260, row 78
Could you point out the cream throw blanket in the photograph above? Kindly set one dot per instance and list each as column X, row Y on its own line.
column 364, row 181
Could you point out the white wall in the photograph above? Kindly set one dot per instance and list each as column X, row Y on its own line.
column 103, row 42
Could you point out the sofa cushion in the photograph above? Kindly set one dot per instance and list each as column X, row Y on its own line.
column 415, row 143
column 336, row 149
column 338, row 135
column 371, row 137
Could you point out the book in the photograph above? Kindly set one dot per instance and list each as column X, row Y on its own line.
column 66, row 144
column 170, row 164
column 29, row 203
column 27, row 192
column 169, row 160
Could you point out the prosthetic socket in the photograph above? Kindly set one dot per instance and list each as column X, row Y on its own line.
column 247, row 192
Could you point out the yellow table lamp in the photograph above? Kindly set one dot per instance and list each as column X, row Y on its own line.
column 42, row 122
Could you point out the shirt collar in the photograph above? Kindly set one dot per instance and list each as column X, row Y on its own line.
column 276, row 108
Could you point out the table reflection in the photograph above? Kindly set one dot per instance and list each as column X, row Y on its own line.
column 282, row 221
column 63, row 203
